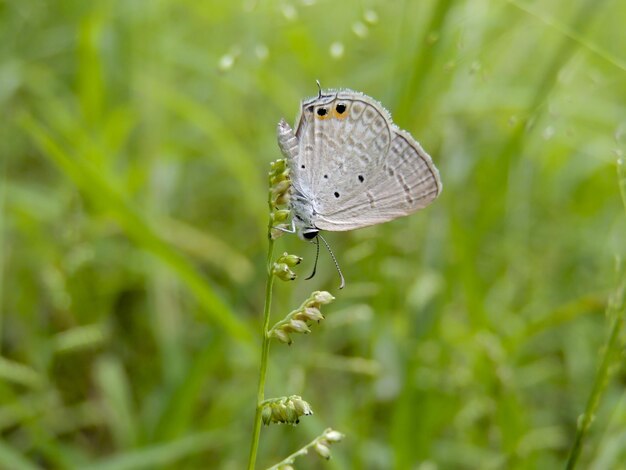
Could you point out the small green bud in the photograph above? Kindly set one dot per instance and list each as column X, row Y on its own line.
column 278, row 166
column 279, row 412
column 278, row 177
column 289, row 260
column 280, row 215
column 266, row 414
column 285, row 410
column 280, row 187
column 282, row 271
column 281, row 199
column 322, row 450
column 290, row 412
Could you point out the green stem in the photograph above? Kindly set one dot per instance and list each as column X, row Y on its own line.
column 615, row 310
column 599, row 386
column 302, row 451
column 264, row 355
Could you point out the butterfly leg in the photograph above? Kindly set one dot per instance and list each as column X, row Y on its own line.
column 287, row 140
column 292, row 229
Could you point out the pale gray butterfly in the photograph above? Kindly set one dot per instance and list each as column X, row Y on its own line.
column 351, row 166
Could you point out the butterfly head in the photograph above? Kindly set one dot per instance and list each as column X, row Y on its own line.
column 304, row 229
column 303, row 213
column 308, row 233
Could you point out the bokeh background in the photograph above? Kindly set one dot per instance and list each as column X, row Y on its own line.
column 135, row 143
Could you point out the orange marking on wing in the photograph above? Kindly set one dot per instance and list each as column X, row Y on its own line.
column 323, row 117
column 336, row 115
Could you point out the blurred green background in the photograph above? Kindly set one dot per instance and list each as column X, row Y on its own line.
column 134, row 150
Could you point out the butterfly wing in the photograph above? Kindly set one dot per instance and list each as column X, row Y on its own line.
column 357, row 168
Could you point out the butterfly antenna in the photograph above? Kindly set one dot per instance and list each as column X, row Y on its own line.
column 317, row 255
column 319, row 87
column 332, row 255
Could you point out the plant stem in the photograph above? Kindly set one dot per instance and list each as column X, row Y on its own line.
column 264, row 355
column 302, row 451
column 615, row 311
column 599, row 386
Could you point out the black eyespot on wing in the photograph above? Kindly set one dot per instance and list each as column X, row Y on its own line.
column 326, row 176
column 302, row 166
column 322, row 111
column 336, row 194
column 341, row 108
column 361, row 179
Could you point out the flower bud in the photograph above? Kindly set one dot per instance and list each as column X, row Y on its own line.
column 322, row 450
column 278, row 166
column 281, row 336
column 289, row 260
column 282, row 271
column 280, row 194
column 310, row 314
column 297, row 326
column 276, row 178
column 301, row 406
column 279, row 413
column 280, row 215
column 281, row 199
column 292, row 416
column 333, row 436
column 276, row 233
column 280, row 187
column 285, row 410
column 266, row 415
column 320, row 298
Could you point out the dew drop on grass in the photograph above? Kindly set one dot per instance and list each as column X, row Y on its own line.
column 360, row 29
column 226, row 62
column 370, row 17
column 336, row 50
column 548, row 133
column 289, row 12
column 261, row 51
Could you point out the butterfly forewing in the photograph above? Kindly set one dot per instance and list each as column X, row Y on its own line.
column 355, row 167
column 339, row 147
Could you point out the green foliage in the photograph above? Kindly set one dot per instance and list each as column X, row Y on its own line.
column 133, row 159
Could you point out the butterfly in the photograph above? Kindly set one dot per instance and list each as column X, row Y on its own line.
column 351, row 166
